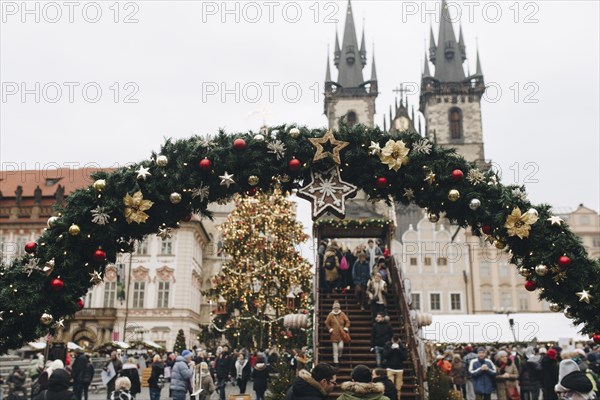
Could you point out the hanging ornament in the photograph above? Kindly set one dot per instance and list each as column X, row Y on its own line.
column 524, row 272
column 30, row 247
column 474, row 204
column 51, row 222
column 533, row 212
column 457, row 175
column 95, row 278
column 554, row 307
column 99, row 255
column 259, row 138
column 239, row 144
column 46, row 319
column 568, row 313
column 295, row 133
column 56, row 284
column 205, row 164
column 285, row 178
column 518, row 224
column 74, row 230
column 251, row 192
column 327, row 192
column 584, row 296
column 175, row 198
column 253, row 180
column 433, row 217
column 530, row 286
column 99, row 185
column 226, row 179
column 382, row 182
column 326, row 143
column 59, row 324
column 162, row 161
column 487, row 229
column 143, row 173
column 135, row 206
column 453, row 195
column 500, row 245
column 80, row 304
column 541, row 270
column 596, row 338
column 294, row 164
column 564, row 261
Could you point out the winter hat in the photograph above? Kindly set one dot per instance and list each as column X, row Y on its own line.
column 59, row 380
column 361, row 373
column 571, row 378
column 552, row 354
column 186, row 353
column 336, row 304
column 481, row 349
column 468, row 349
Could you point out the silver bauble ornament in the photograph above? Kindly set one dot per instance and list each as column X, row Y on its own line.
column 453, row 195
column 532, row 211
column 295, row 133
column 433, row 217
column 253, row 180
column 51, row 222
column 259, row 138
column 474, row 204
column 175, row 198
column 568, row 314
column 46, row 319
column 554, row 307
column 162, row 161
column 541, row 270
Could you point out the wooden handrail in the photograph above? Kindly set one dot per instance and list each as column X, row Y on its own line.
column 398, row 282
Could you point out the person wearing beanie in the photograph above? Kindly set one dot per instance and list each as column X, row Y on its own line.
column 314, row 385
column 58, row 387
column 336, row 322
column 506, row 377
column 483, row 373
column 549, row 374
column 181, row 373
column 361, row 386
column 572, row 383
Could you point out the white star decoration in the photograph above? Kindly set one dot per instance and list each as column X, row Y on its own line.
column 584, row 296
column 99, row 216
column 95, row 278
column 327, row 192
column 202, row 192
column 554, row 220
column 143, row 173
column 374, row 149
column 423, row 146
column 59, row 324
column 226, row 179
column 277, row 148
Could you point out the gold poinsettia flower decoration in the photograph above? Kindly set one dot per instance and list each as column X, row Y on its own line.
column 518, row 224
column 394, row 154
column 135, row 206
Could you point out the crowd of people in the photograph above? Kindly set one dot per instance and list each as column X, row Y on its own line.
column 523, row 373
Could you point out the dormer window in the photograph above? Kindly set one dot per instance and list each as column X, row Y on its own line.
column 52, row 181
column 449, row 50
column 350, row 55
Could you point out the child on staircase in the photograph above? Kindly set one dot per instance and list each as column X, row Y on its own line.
column 336, row 322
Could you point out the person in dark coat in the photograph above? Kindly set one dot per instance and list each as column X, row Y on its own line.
column 380, row 376
column 572, row 382
column 361, row 386
column 381, row 333
column 130, row 371
column 77, row 373
column 88, row 376
column 223, row 368
column 394, row 354
column 315, row 385
column 483, row 373
column 260, row 377
column 157, row 378
column 360, row 276
column 549, row 374
column 16, row 382
column 58, row 387
column 117, row 365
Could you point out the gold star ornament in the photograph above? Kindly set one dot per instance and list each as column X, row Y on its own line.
column 584, row 296
column 328, row 146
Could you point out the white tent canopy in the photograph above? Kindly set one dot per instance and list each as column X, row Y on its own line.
column 491, row 328
column 42, row 345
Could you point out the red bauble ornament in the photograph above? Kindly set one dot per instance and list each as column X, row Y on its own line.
column 382, row 182
column 56, row 284
column 99, row 255
column 487, row 229
column 596, row 338
column 530, row 286
column 564, row 261
column 30, row 247
column 251, row 192
column 205, row 164
column 79, row 304
column 457, row 175
column 188, row 218
column 239, row 144
column 294, row 164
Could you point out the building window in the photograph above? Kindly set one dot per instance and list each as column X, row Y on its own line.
column 109, row 294
column 486, row 301
column 142, row 247
column 163, row 294
column 138, row 294
column 427, row 261
column 584, row 220
column 435, row 302
column 413, row 261
column 455, row 302
column 596, row 241
column 484, row 270
column 442, row 261
column 505, row 300
column 351, row 119
column 503, row 270
column 455, row 123
column 416, row 301
column 166, row 247
column 523, row 302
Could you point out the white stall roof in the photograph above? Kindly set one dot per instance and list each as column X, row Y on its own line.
column 491, row 328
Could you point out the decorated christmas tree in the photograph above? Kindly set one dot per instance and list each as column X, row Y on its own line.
column 180, row 342
column 264, row 278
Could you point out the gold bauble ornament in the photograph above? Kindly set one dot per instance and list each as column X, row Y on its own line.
column 162, row 161
column 433, row 217
column 554, row 307
column 285, row 178
column 453, row 195
column 295, row 133
column 499, row 244
column 46, row 319
column 74, row 230
column 175, row 198
column 51, row 222
column 99, row 185
column 253, row 180
column 524, row 272
column 568, row 314
column 541, row 270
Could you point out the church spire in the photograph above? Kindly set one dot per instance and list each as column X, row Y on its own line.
column 448, row 57
column 363, row 49
column 349, row 68
column 374, row 87
column 432, row 46
column 426, row 73
column 337, row 52
column 461, row 44
column 478, row 71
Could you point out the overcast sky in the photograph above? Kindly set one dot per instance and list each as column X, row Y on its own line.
column 163, row 66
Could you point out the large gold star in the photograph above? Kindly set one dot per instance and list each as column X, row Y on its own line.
column 584, row 296
column 333, row 150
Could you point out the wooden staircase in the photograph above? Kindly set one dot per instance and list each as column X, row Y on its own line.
column 358, row 351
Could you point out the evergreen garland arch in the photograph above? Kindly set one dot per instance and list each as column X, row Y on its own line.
column 154, row 195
